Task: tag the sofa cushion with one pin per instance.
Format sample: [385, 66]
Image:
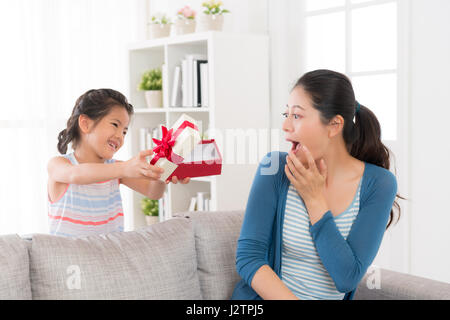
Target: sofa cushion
[393, 285]
[216, 235]
[156, 262]
[14, 269]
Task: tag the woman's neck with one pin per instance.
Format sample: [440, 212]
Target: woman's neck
[341, 166]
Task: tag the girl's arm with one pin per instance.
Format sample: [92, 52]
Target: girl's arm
[62, 170]
[152, 189]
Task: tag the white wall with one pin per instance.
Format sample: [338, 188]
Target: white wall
[430, 147]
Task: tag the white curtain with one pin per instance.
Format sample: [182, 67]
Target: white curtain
[52, 51]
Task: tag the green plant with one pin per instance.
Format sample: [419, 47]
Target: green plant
[149, 207]
[213, 7]
[151, 80]
[160, 18]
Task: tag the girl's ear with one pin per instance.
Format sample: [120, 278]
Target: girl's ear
[85, 123]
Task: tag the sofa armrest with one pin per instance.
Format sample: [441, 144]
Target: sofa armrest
[392, 285]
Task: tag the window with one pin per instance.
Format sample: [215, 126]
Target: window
[358, 38]
[56, 50]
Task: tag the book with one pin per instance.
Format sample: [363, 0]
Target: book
[142, 139]
[184, 82]
[197, 82]
[165, 85]
[176, 88]
[167, 207]
[200, 201]
[204, 84]
[192, 204]
[191, 78]
[161, 209]
[149, 142]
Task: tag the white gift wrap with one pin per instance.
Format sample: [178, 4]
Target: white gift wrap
[184, 144]
[169, 168]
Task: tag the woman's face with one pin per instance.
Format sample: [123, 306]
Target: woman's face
[302, 126]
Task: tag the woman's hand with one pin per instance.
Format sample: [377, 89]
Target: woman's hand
[309, 183]
[138, 167]
[175, 180]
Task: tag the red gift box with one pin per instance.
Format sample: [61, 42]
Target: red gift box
[181, 153]
[205, 160]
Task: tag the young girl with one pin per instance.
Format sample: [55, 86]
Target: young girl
[83, 186]
[314, 222]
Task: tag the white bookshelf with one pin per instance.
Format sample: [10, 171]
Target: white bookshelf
[238, 71]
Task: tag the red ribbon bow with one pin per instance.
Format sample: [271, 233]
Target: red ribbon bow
[164, 146]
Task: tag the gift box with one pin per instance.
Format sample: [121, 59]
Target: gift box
[182, 153]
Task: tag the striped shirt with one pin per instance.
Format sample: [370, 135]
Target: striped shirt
[301, 267]
[89, 209]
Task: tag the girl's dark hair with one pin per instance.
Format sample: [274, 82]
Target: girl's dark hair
[95, 104]
[332, 94]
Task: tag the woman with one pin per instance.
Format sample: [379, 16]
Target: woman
[313, 226]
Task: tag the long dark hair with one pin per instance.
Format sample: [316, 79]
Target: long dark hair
[95, 104]
[332, 94]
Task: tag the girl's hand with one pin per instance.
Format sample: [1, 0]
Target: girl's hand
[309, 183]
[138, 167]
[175, 180]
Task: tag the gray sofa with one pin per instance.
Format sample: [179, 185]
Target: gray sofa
[190, 257]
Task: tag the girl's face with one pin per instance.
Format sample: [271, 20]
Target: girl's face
[302, 126]
[107, 137]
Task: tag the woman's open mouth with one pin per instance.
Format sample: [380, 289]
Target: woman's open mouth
[295, 145]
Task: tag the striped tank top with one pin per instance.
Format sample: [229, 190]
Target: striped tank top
[85, 210]
[302, 270]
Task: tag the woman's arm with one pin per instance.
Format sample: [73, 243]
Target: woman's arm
[256, 235]
[269, 286]
[348, 260]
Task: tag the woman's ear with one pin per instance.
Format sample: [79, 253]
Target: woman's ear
[336, 126]
[85, 123]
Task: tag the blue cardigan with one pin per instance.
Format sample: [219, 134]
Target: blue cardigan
[346, 261]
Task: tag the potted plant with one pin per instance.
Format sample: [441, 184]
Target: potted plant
[185, 22]
[151, 84]
[212, 17]
[150, 210]
[159, 26]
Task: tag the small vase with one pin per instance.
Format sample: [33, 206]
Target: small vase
[153, 98]
[184, 26]
[151, 220]
[158, 30]
[210, 22]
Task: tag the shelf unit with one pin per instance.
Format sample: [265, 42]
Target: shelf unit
[238, 72]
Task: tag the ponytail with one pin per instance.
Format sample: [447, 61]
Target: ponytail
[367, 146]
[332, 94]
